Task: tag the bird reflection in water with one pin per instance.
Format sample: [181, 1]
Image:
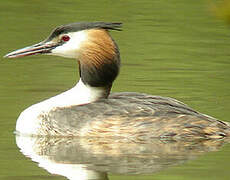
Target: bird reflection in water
[93, 158]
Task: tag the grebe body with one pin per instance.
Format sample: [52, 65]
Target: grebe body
[88, 109]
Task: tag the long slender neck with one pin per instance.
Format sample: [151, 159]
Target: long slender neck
[79, 94]
[99, 63]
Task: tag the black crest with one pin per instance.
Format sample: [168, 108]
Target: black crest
[73, 27]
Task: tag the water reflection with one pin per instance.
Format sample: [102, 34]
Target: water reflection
[94, 158]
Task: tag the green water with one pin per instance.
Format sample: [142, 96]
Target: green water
[172, 48]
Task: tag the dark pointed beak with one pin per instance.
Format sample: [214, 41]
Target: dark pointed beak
[40, 48]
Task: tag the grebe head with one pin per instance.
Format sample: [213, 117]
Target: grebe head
[90, 43]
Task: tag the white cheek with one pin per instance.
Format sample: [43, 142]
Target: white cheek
[71, 48]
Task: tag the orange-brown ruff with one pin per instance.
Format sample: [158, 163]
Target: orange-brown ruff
[98, 50]
[88, 110]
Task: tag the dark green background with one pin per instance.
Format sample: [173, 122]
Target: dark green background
[174, 48]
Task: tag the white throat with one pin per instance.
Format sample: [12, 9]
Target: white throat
[29, 120]
[79, 94]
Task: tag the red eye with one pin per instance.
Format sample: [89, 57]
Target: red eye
[65, 38]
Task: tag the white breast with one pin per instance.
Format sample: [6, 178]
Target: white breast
[29, 121]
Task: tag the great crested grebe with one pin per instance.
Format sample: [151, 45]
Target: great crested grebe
[89, 110]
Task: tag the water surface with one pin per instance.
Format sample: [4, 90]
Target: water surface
[170, 48]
